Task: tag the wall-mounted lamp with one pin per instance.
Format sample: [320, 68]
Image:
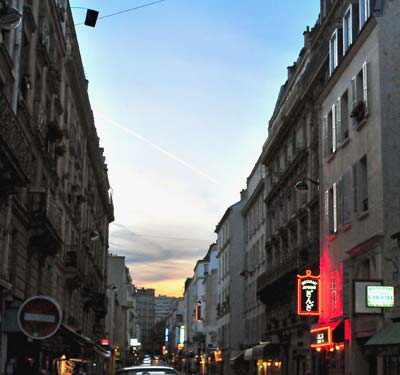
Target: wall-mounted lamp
[302, 184]
[10, 17]
[94, 235]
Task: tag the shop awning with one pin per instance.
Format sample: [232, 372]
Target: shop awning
[236, 354]
[261, 351]
[388, 335]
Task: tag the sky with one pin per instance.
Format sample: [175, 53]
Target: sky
[182, 92]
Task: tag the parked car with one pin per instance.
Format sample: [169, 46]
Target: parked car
[147, 370]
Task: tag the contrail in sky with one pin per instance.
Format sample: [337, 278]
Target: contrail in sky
[158, 148]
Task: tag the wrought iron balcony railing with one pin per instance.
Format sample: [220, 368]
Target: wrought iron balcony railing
[46, 222]
[14, 139]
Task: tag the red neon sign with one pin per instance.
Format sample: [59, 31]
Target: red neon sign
[308, 294]
[105, 342]
[323, 337]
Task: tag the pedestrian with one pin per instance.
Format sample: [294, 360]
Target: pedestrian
[193, 366]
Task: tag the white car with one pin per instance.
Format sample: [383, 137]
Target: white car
[147, 370]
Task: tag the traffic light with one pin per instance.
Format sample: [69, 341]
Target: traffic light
[91, 17]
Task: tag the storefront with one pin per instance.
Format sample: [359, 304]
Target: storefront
[264, 359]
[329, 342]
[383, 350]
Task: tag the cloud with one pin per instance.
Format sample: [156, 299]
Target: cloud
[159, 261]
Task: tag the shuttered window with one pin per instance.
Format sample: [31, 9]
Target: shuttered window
[360, 186]
[359, 95]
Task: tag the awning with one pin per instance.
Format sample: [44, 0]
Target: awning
[261, 351]
[235, 355]
[388, 335]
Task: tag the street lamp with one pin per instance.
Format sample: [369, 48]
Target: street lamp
[10, 17]
[302, 184]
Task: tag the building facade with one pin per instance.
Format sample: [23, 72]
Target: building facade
[211, 300]
[145, 302]
[230, 244]
[120, 319]
[55, 205]
[359, 182]
[291, 157]
[254, 215]
[163, 305]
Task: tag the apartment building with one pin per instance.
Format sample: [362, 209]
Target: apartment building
[359, 181]
[291, 158]
[162, 307]
[230, 244]
[211, 299]
[254, 215]
[55, 205]
[120, 319]
[145, 308]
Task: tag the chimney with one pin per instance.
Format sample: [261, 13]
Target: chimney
[291, 69]
[306, 35]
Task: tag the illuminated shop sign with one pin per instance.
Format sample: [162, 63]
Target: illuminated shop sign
[166, 334]
[181, 334]
[380, 296]
[308, 294]
[321, 337]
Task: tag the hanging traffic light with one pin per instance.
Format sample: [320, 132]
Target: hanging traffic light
[91, 17]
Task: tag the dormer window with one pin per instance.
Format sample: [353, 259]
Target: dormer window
[333, 52]
[365, 12]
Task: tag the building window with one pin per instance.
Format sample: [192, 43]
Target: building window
[329, 132]
[344, 199]
[331, 209]
[348, 28]
[333, 52]
[365, 12]
[360, 186]
[359, 90]
[342, 118]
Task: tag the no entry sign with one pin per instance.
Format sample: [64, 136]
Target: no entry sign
[39, 317]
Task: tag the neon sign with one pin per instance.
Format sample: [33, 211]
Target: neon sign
[308, 294]
[321, 337]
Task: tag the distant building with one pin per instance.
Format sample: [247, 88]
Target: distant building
[174, 323]
[145, 309]
[120, 309]
[230, 243]
[211, 300]
[162, 307]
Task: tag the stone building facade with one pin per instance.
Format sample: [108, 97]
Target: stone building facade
[230, 245]
[55, 205]
[291, 156]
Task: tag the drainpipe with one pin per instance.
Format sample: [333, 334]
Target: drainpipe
[17, 59]
[3, 292]
[8, 233]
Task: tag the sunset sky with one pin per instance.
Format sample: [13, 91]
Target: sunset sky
[182, 92]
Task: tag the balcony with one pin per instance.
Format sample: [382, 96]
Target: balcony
[297, 258]
[14, 144]
[74, 267]
[46, 223]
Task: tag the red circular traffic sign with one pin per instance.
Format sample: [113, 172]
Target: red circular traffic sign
[39, 317]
